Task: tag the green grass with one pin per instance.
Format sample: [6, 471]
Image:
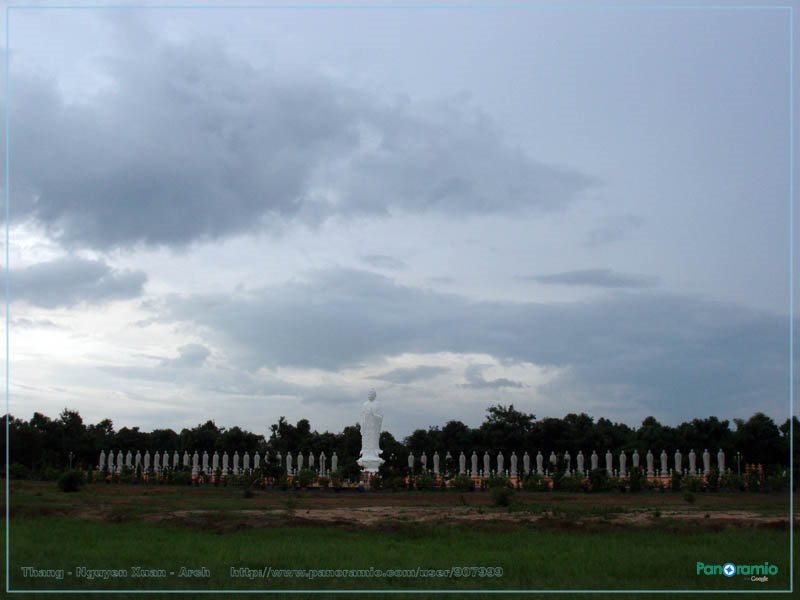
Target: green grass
[531, 558]
[577, 544]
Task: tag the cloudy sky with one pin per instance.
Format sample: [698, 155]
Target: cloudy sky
[242, 214]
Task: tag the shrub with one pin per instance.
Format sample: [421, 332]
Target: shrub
[496, 481]
[426, 481]
[731, 481]
[753, 481]
[692, 483]
[635, 480]
[776, 482]
[376, 482]
[336, 479]
[535, 483]
[713, 480]
[688, 496]
[182, 478]
[461, 483]
[305, 478]
[502, 496]
[70, 481]
[571, 483]
[396, 483]
[677, 481]
[598, 480]
[324, 482]
[18, 471]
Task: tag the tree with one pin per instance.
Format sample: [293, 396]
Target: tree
[505, 428]
[759, 440]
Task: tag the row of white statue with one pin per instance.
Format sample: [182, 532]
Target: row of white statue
[580, 463]
[161, 461]
[115, 462]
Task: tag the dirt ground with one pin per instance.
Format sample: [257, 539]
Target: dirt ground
[227, 509]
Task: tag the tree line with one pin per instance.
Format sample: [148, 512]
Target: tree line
[43, 443]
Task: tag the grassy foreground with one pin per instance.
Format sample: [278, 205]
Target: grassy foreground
[124, 528]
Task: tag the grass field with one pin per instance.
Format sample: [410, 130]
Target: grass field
[543, 541]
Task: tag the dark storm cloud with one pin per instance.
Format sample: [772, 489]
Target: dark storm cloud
[189, 143]
[411, 374]
[383, 261]
[653, 348]
[476, 380]
[66, 282]
[604, 278]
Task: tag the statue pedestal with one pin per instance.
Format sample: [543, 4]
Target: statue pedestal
[370, 464]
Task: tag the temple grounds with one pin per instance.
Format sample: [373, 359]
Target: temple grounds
[224, 538]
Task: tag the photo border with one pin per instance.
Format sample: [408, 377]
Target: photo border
[788, 9]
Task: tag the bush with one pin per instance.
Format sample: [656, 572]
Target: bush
[376, 482]
[336, 479]
[677, 481]
[571, 483]
[394, 483]
[731, 481]
[496, 481]
[535, 483]
[18, 471]
[753, 481]
[776, 482]
[70, 481]
[598, 480]
[461, 483]
[426, 481]
[502, 496]
[324, 482]
[635, 480]
[688, 496]
[305, 478]
[693, 483]
[713, 480]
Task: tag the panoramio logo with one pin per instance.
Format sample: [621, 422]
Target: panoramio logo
[730, 569]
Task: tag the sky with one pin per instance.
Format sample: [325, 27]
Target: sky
[244, 214]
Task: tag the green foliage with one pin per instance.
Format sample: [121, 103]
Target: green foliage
[70, 481]
[376, 482]
[496, 481]
[324, 482]
[305, 478]
[336, 479]
[535, 483]
[571, 483]
[43, 443]
[676, 481]
[635, 480]
[18, 471]
[753, 481]
[502, 495]
[776, 482]
[598, 480]
[713, 480]
[395, 483]
[693, 483]
[425, 481]
[461, 483]
[731, 482]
